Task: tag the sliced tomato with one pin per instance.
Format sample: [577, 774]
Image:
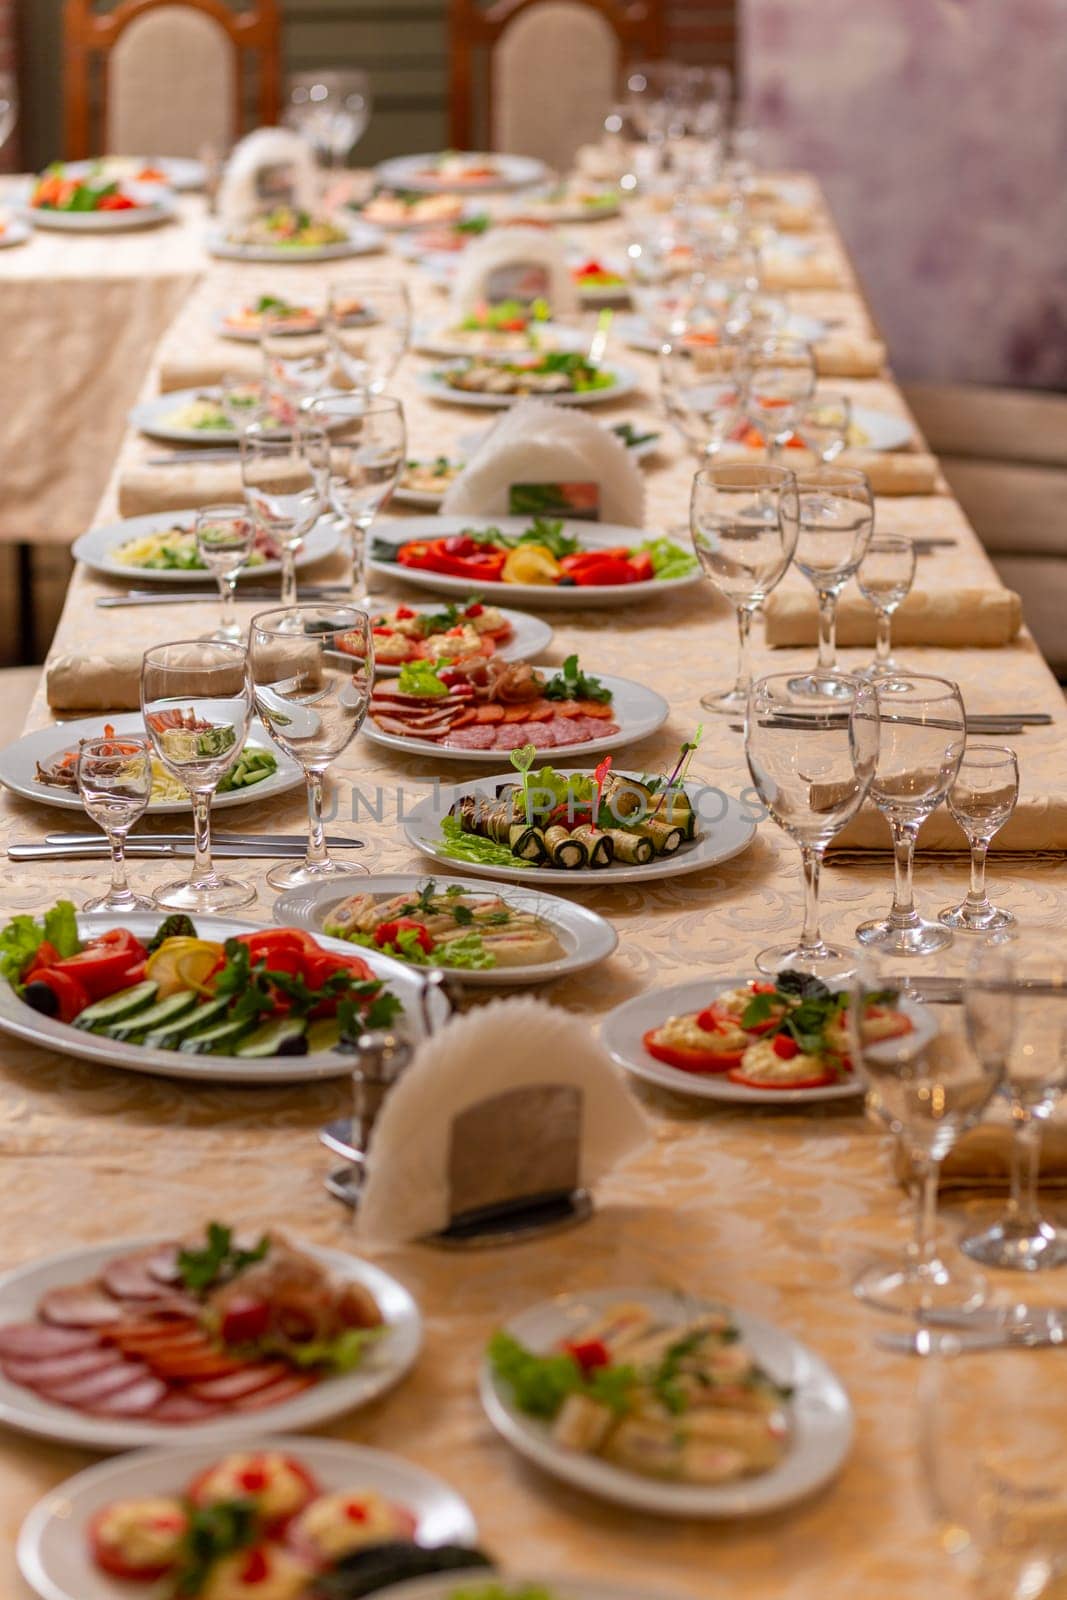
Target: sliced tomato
[102, 966]
[641, 566]
[589, 1353]
[111, 1560]
[71, 997]
[738, 1076]
[116, 202]
[458, 557]
[704, 1061]
[245, 1318]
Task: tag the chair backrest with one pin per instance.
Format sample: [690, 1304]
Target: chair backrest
[536, 77]
[166, 77]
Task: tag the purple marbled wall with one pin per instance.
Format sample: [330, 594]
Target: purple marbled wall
[939, 128]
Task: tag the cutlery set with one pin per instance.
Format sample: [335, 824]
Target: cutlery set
[250, 846]
[152, 597]
[977, 722]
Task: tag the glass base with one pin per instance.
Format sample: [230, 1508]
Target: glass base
[233, 635]
[912, 1287]
[297, 873]
[1019, 1247]
[822, 960]
[121, 904]
[205, 895]
[886, 674]
[730, 703]
[827, 688]
[976, 919]
[919, 938]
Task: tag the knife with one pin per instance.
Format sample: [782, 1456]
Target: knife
[334, 841]
[1005, 724]
[102, 852]
[206, 452]
[152, 597]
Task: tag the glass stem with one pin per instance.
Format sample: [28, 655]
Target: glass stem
[827, 630]
[357, 537]
[227, 592]
[288, 576]
[1025, 1162]
[203, 867]
[976, 895]
[317, 854]
[811, 862]
[744, 651]
[903, 913]
[924, 1245]
[883, 638]
[119, 882]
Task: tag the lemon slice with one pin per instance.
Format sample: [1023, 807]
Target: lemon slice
[182, 963]
[531, 563]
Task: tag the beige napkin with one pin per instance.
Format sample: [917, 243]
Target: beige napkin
[504, 1047]
[981, 1160]
[847, 355]
[142, 489]
[891, 472]
[484, 264]
[1039, 824]
[954, 619]
[783, 274]
[106, 681]
[207, 364]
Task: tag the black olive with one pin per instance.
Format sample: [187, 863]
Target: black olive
[295, 1045]
[566, 583]
[43, 998]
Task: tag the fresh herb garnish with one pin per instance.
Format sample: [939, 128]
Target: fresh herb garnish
[571, 683]
[23, 937]
[420, 678]
[219, 1260]
[177, 926]
[213, 1531]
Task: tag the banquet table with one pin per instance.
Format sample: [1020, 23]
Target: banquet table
[773, 1211]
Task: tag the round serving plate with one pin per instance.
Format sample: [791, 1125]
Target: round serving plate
[624, 381]
[362, 240]
[95, 549]
[417, 174]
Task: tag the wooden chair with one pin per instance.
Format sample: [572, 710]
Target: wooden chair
[172, 75]
[537, 77]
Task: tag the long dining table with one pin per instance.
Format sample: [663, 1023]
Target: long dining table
[773, 1211]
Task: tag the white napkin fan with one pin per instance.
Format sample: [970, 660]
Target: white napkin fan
[239, 197]
[501, 248]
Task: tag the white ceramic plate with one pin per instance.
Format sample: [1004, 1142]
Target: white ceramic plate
[586, 938]
[95, 547]
[820, 1415]
[53, 1549]
[884, 430]
[445, 1584]
[625, 380]
[180, 173]
[362, 240]
[18, 764]
[152, 418]
[17, 1018]
[724, 832]
[249, 336]
[386, 1363]
[438, 339]
[415, 173]
[157, 206]
[14, 231]
[637, 712]
[529, 636]
[591, 536]
[540, 206]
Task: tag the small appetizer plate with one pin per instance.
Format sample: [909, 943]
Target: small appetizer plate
[362, 240]
[443, 339]
[421, 175]
[155, 206]
[386, 1362]
[820, 1415]
[528, 637]
[183, 174]
[481, 1585]
[623, 381]
[97, 549]
[54, 1550]
[587, 938]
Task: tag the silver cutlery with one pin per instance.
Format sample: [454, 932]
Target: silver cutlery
[153, 597]
[206, 452]
[101, 852]
[334, 841]
[1004, 724]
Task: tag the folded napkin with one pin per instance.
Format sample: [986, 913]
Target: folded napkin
[951, 618]
[847, 355]
[492, 269]
[982, 1160]
[142, 489]
[101, 681]
[267, 153]
[540, 443]
[1037, 826]
[603, 163]
[894, 472]
[782, 274]
[207, 364]
[496, 1051]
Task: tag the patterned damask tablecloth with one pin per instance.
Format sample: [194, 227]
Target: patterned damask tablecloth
[773, 1212]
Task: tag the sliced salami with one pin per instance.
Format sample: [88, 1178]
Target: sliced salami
[136, 1401]
[61, 1369]
[80, 1305]
[28, 1340]
[478, 736]
[134, 1277]
[179, 1407]
[87, 1392]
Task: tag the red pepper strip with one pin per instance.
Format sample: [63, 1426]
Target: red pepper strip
[589, 1353]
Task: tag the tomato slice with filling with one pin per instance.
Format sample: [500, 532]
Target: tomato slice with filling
[689, 1060]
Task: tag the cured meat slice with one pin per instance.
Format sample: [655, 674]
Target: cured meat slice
[179, 1406]
[80, 1305]
[239, 1384]
[192, 1367]
[171, 1337]
[61, 1369]
[28, 1340]
[513, 735]
[164, 1264]
[393, 725]
[136, 1401]
[133, 1277]
[477, 737]
[88, 1391]
[275, 1393]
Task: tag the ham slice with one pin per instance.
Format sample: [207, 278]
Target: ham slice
[138, 1400]
[29, 1340]
[61, 1369]
[275, 1393]
[179, 1407]
[80, 1305]
[479, 736]
[134, 1277]
[89, 1391]
[239, 1384]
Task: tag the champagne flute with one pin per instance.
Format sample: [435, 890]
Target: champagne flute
[284, 484]
[836, 521]
[1016, 1007]
[312, 668]
[781, 376]
[812, 757]
[823, 422]
[924, 732]
[368, 347]
[928, 1085]
[225, 537]
[196, 697]
[884, 577]
[367, 449]
[744, 525]
[982, 800]
[701, 389]
[114, 778]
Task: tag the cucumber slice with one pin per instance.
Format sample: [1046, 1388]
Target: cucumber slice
[218, 1040]
[323, 1035]
[164, 1011]
[195, 1021]
[117, 1006]
[283, 1037]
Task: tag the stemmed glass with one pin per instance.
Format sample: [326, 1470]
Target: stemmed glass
[1016, 1007]
[367, 449]
[285, 484]
[812, 757]
[744, 525]
[369, 348]
[196, 697]
[823, 422]
[331, 111]
[884, 578]
[836, 521]
[781, 376]
[296, 367]
[242, 401]
[928, 1086]
[701, 387]
[225, 537]
[982, 800]
[313, 668]
[114, 777]
[924, 731]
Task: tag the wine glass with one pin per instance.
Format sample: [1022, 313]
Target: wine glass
[812, 757]
[312, 668]
[982, 800]
[701, 388]
[196, 697]
[744, 525]
[367, 449]
[781, 376]
[924, 731]
[823, 422]
[368, 343]
[836, 521]
[331, 111]
[1016, 1007]
[285, 485]
[225, 537]
[296, 366]
[928, 1085]
[114, 777]
[884, 578]
[242, 401]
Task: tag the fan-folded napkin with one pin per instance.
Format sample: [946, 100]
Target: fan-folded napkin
[951, 618]
[781, 274]
[181, 487]
[982, 1159]
[895, 472]
[513, 247]
[507, 1045]
[201, 366]
[94, 681]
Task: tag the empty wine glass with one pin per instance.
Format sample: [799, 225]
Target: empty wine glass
[1016, 1006]
[225, 536]
[296, 366]
[884, 578]
[812, 757]
[836, 520]
[781, 376]
[368, 324]
[982, 800]
[196, 697]
[114, 777]
[331, 111]
[744, 525]
[928, 1085]
[285, 485]
[701, 388]
[823, 422]
[924, 732]
[367, 448]
[312, 667]
[242, 400]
